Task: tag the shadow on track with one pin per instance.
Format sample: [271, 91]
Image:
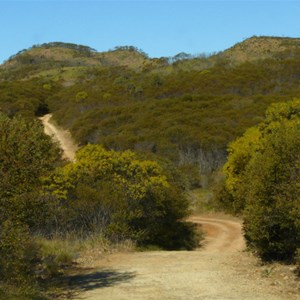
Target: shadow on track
[98, 279]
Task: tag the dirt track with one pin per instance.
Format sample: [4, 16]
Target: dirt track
[222, 235]
[63, 137]
[218, 270]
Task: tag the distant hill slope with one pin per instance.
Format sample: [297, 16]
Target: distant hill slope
[263, 47]
[250, 50]
[55, 56]
[77, 55]
[47, 59]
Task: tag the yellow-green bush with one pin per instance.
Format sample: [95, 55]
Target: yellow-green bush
[262, 182]
[115, 192]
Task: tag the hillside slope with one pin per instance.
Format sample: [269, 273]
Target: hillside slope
[186, 111]
[263, 47]
[60, 56]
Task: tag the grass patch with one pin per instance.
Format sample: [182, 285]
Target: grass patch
[58, 257]
[58, 254]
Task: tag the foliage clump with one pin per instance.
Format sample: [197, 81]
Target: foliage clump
[19, 254]
[262, 182]
[109, 194]
[26, 154]
[121, 196]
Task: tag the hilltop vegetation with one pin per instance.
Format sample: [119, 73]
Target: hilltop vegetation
[58, 56]
[263, 47]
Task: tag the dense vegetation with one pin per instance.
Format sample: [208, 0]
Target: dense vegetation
[26, 154]
[186, 111]
[262, 182]
[149, 130]
[104, 193]
[121, 196]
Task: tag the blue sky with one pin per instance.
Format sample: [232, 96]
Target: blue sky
[160, 28]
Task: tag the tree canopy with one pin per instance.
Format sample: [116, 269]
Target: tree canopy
[127, 197]
[26, 154]
[262, 181]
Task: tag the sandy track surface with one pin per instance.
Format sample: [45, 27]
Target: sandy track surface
[218, 270]
[63, 137]
[221, 234]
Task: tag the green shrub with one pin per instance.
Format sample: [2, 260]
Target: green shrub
[117, 194]
[272, 193]
[262, 181]
[26, 155]
[19, 254]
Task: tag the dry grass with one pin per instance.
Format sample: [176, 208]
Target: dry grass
[201, 201]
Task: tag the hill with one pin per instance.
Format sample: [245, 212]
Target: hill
[47, 59]
[185, 110]
[252, 49]
[263, 47]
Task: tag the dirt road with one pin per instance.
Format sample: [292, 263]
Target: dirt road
[63, 137]
[218, 270]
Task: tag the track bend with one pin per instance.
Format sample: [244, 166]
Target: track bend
[218, 270]
[221, 234]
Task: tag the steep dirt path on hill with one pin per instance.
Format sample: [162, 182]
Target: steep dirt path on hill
[218, 270]
[63, 137]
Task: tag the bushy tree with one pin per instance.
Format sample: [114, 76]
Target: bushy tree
[124, 196]
[239, 154]
[262, 181]
[271, 191]
[26, 154]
